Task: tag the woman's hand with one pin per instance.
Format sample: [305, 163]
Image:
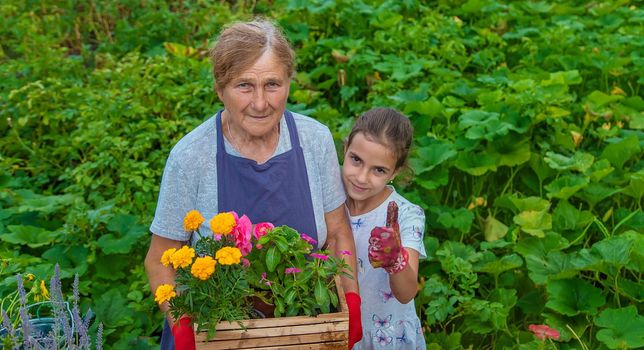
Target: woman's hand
[184, 334]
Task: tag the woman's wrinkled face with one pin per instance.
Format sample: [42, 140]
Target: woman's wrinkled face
[255, 100]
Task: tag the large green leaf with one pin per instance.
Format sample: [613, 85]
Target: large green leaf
[475, 164]
[494, 229]
[574, 296]
[567, 217]
[599, 170]
[127, 232]
[596, 192]
[621, 328]
[566, 186]
[460, 219]
[534, 222]
[620, 152]
[580, 161]
[495, 266]
[483, 125]
[112, 309]
[430, 156]
[635, 186]
[31, 236]
[510, 150]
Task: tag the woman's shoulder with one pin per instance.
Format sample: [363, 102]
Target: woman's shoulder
[199, 143]
[308, 125]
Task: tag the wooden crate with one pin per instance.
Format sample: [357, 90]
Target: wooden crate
[324, 331]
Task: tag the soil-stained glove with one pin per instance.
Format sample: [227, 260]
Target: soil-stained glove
[385, 247]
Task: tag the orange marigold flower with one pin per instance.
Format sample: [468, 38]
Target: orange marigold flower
[164, 292]
[223, 223]
[165, 258]
[182, 257]
[203, 267]
[192, 221]
[228, 256]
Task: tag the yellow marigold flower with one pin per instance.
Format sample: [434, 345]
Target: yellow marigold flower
[164, 292]
[182, 257]
[192, 221]
[228, 256]
[30, 276]
[43, 290]
[222, 223]
[165, 258]
[203, 267]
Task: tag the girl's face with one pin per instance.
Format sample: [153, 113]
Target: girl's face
[368, 167]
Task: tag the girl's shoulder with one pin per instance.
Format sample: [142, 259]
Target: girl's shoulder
[405, 207]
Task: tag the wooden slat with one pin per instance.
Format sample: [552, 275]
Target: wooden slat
[285, 321]
[336, 345]
[254, 343]
[281, 331]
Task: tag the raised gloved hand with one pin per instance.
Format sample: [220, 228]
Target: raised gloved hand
[385, 247]
[184, 335]
[355, 318]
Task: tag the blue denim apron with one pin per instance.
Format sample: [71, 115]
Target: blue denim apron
[276, 191]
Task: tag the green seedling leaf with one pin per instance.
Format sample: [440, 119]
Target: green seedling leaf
[565, 186]
[620, 152]
[494, 229]
[573, 296]
[475, 164]
[321, 295]
[31, 236]
[534, 222]
[580, 161]
[621, 328]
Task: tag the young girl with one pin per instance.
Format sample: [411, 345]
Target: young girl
[388, 236]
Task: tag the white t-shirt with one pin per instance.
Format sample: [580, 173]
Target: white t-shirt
[386, 323]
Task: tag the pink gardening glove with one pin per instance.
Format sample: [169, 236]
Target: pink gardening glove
[385, 247]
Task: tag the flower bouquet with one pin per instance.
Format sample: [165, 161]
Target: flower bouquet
[238, 263]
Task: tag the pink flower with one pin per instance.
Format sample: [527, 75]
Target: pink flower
[292, 270]
[544, 332]
[261, 229]
[241, 232]
[267, 282]
[320, 256]
[245, 262]
[308, 239]
[346, 252]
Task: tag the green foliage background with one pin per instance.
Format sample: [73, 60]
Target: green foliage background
[527, 157]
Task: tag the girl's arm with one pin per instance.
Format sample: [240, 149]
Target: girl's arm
[404, 284]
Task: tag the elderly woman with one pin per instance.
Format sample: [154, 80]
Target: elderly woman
[253, 157]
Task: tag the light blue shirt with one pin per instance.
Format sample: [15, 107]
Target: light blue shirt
[190, 176]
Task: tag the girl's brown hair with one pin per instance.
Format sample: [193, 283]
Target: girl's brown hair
[241, 44]
[387, 127]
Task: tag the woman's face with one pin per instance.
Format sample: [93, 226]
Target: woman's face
[255, 100]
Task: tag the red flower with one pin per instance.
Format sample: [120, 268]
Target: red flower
[544, 332]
